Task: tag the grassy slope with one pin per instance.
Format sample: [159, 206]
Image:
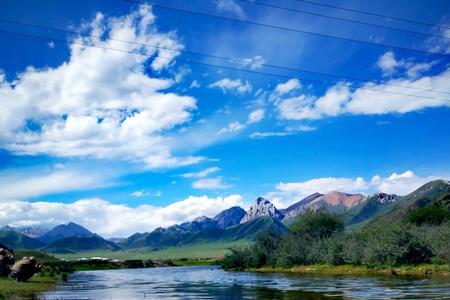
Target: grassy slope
[197, 251]
[372, 211]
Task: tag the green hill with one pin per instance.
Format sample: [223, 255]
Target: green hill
[80, 244]
[17, 240]
[433, 192]
[160, 238]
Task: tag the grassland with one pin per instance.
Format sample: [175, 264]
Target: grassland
[190, 253]
[417, 270]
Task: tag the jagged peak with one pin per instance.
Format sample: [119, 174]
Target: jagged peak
[262, 207]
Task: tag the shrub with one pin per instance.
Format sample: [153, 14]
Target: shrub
[318, 224]
[292, 249]
[434, 215]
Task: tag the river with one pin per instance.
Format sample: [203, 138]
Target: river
[214, 283]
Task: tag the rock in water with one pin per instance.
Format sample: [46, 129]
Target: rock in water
[262, 207]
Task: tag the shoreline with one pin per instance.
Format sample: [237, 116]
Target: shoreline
[11, 289]
[418, 270]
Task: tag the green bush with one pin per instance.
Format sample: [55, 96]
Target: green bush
[317, 224]
[318, 238]
[292, 249]
[433, 215]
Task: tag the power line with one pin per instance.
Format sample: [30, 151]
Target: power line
[220, 66]
[240, 60]
[342, 19]
[373, 14]
[182, 10]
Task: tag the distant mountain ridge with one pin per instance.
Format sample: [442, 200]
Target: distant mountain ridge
[392, 207]
[17, 240]
[235, 224]
[76, 244]
[31, 231]
[65, 231]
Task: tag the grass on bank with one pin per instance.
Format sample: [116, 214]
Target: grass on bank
[10, 289]
[190, 253]
[420, 270]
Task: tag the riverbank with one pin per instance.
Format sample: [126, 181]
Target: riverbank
[418, 270]
[10, 289]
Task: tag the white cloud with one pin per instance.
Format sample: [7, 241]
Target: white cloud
[237, 85]
[112, 220]
[298, 108]
[387, 63]
[288, 86]
[400, 184]
[232, 127]
[254, 63]
[100, 103]
[290, 130]
[436, 44]
[301, 128]
[140, 193]
[394, 96]
[194, 84]
[390, 65]
[230, 6]
[29, 183]
[202, 173]
[210, 184]
[256, 116]
[260, 135]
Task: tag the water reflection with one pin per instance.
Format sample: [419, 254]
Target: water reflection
[214, 283]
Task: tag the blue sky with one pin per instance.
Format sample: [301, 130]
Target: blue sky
[88, 131]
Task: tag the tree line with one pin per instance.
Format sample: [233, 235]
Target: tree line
[320, 237]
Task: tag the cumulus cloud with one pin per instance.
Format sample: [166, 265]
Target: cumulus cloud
[214, 183]
[290, 85]
[400, 184]
[390, 65]
[112, 220]
[256, 116]
[29, 183]
[394, 96]
[226, 84]
[100, 103]
[230, 6]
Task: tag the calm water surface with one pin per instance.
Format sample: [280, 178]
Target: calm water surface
[214, 283]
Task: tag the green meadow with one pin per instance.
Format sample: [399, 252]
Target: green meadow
[191, 252]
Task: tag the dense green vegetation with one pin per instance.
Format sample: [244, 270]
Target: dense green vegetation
[423, 236]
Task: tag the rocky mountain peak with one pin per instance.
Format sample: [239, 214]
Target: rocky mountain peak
[384, 198]
[262, 207]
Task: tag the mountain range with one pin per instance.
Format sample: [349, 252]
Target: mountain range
[234, 224]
